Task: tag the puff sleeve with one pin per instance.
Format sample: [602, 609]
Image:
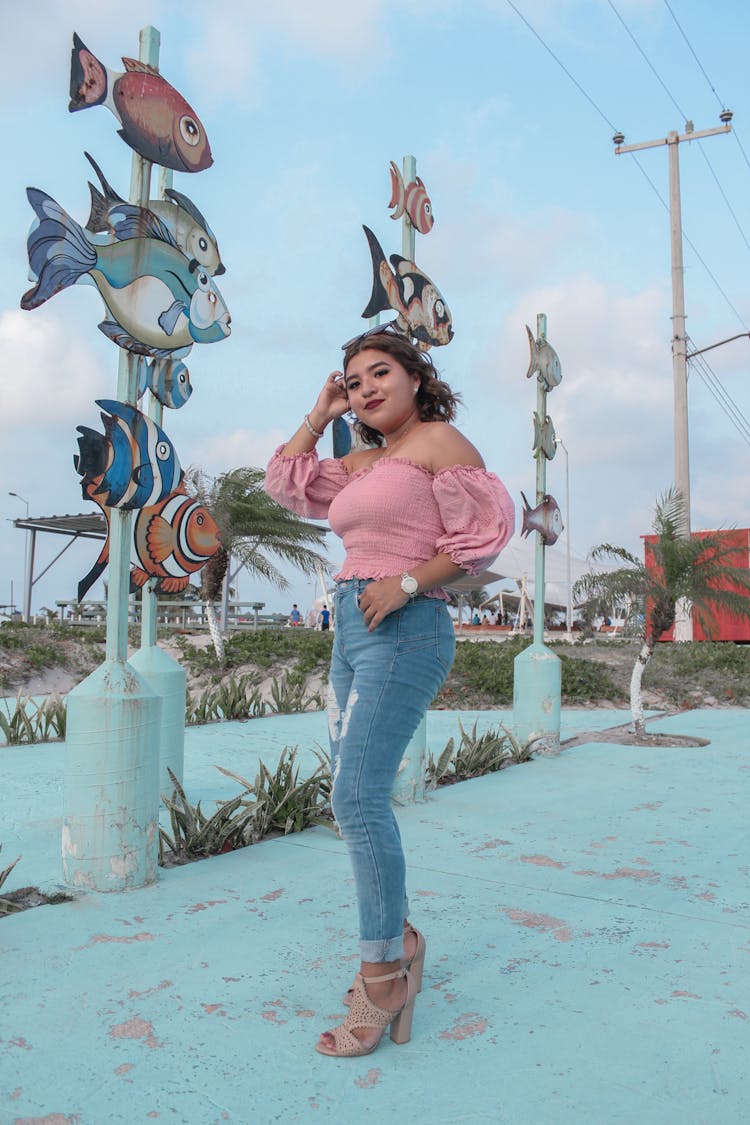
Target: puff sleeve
[304, 484]
[477, 514]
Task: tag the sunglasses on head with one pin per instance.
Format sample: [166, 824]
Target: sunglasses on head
[377, 330]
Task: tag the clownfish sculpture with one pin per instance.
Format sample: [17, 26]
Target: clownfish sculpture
[413, 199]
[546, 518]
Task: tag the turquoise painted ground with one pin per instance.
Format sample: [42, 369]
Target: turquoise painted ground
[588, 950]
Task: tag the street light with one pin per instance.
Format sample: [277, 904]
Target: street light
[26, 588]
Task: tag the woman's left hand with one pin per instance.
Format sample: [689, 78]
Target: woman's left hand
[380, 598]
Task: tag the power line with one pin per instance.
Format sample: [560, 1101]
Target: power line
[722, 396]
[562, 65]
[651, 66]
[607, 121]
[722, 105]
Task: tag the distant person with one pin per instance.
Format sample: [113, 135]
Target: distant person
[324, 618]
[415, 509]
[295, 617]
[475, 618]
[485, 619]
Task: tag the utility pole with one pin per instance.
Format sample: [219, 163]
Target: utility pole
[679, 349]
[683, 630]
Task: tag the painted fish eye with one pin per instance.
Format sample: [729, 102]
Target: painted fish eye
[182, 378]
[199, 520]
[202, 244]
[212, 298]
[189, 130]
[439, 308]
[203, 283]
[162, 450]
[427, 209]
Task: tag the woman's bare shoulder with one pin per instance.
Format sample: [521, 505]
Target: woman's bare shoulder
[448, 447]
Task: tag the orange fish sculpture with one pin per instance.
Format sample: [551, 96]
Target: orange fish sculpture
[156, 120]
[171, 541]
[411, 198]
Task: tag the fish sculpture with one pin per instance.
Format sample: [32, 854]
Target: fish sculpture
[413, 199]
[546, 518]
[133, 464]
[156, 120]
[156, 304]
[167, 379]
[422, 311]
[544, 437]
[114, 216]
[170, 541]
[544, 362]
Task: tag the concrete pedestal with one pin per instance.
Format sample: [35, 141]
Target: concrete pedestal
[537, 676]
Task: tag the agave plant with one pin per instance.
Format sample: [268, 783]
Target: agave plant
[476, 755]
[6, 906]
[32, 722]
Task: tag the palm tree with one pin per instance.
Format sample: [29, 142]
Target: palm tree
[251, 526]
[698, 570]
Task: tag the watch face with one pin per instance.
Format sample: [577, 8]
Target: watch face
[409, 585]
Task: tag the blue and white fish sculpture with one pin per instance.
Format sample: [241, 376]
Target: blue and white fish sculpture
[167, 379]
[422, 311]
[133, 464]
[157, 306]
[546, 518]
[544, 362]
[544, 437]
[112, 215]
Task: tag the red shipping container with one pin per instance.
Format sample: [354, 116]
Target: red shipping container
[726, 627]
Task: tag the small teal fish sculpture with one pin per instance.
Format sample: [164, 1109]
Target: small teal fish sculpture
[171, 541]
[544, 362]
[133, 464]
[544, 437]
[115, 217]
[157, 305]
[167, 379]
[156, 120]
[422, 311]
[546, 518]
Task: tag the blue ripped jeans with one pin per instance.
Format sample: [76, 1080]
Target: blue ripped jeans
[381, 683]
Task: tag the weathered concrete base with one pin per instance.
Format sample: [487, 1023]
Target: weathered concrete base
[537, 676]
[111, 801]
[167, 679]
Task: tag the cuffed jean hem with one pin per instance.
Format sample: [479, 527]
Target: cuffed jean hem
[392, 949]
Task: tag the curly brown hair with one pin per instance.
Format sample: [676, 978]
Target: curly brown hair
[435, 399]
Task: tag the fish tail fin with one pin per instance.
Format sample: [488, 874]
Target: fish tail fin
[59, 252]
[398, 192]
[533, 363]
[102, 561]
[525, 529]
[88, 77]
[378, 298]
[91, 460]
[102, 200]
[96, 571]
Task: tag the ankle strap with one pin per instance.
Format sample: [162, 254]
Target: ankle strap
[388, 976]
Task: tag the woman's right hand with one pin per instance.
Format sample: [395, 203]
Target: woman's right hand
[332, 401]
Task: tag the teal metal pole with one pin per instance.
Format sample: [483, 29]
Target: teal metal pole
[537, 671]
[111, 799]
[164, 675]
[409, 785]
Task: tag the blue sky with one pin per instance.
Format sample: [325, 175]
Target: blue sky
[305, 105]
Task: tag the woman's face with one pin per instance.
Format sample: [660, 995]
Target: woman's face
[381, 391]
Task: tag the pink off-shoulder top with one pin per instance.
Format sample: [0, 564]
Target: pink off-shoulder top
[394, 513]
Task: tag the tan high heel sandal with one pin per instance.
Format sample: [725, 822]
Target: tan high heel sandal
[415, 964]
[363, 1013]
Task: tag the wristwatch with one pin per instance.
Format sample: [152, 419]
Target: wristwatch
[409, 584]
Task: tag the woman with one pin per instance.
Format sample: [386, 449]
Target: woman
[415, 510]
